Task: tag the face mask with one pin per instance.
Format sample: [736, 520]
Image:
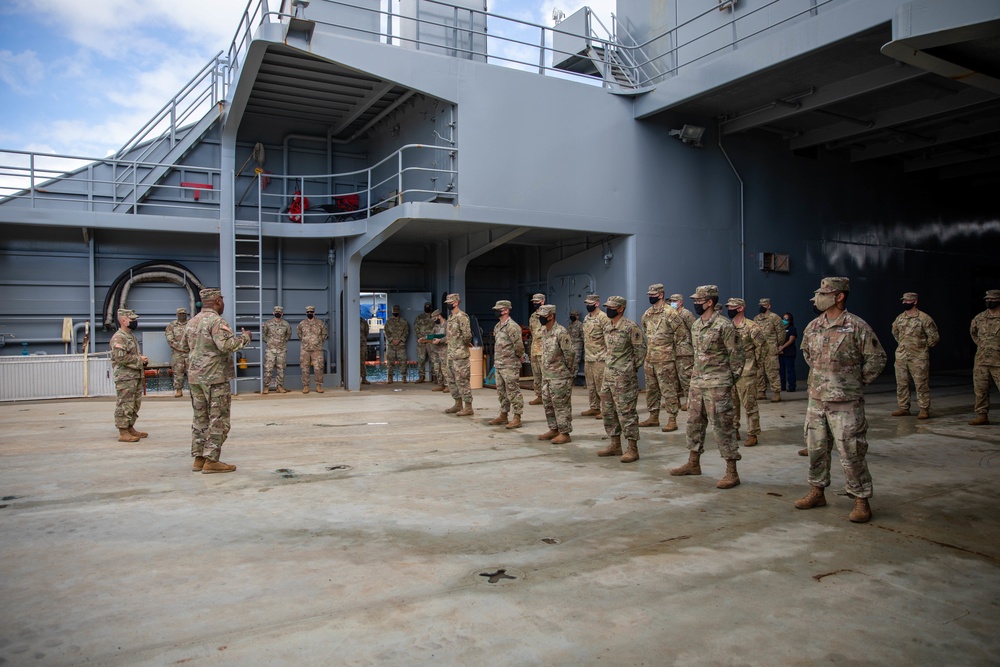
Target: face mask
[277, 316]
[310, 315]
[428, 309]
[699, 309]
[784, 321]
[822, 302]
[612, 312]
[907, 306]
[572, 318]
[395, 314]
[222, 308]
[992, 305]
[654, 299]
[543, 320]
[732, 313]
[675, 305]
[535, 306]
[763, 309]
[591, 308]
[133, 324]
[182, 318]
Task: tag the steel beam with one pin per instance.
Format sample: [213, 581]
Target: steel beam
[947, 135]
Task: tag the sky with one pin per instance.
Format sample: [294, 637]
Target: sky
[80, 77]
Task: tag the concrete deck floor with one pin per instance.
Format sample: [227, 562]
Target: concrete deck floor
[116, 554]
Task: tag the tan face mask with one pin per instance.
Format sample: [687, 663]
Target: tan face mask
[824, 301]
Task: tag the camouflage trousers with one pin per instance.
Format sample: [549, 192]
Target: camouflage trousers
[768, 375]
[211, 423]
[312, 359]
[458, 379]
[425, 355]
[364, 359]
[981, 385]
[662, 387]
[275, 359]
[395, 356]
[619, 396]
[509, 390]
[128, 398]
[594, 372]
[536, 374]
[684, 367]
[440, 368]
[557, 395]
[715, 403]
[178, 366]
[843, 423]
[919, 370]
[745, 395]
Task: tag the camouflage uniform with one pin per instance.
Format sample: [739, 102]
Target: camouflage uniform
[440, 351]
[536, 349]
[843, 356]
[423, 325]
[663, 330]
[508, 348]
[459, 339]
[915, 334]
[210, 344]
[312, 333]
[127, 369]
[575, 331]
[275, 333]
[684, 351]
[774, 332]
[985, 331]
[751, 339]
[595, 352]
[626, 350]
[558, 371]
[175, 339]
[396, 330]
[363, 351]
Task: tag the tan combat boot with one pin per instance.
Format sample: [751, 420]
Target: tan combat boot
[731, 478]
[684, 407]
[388, 376]
[466, 411]
[548, 435]
[631, 453]
[282, 390]
[125, 436]
[777, 397]
[614, 449]
[654, 419]
[420, 380]
[671, 425]
[537, 400]
[561, 439]
[138, 434]
[499, 420]
[305, 389]
[924, 414]
[198, 464]
[319, 389]
[803, 452]
[981, 420]
[815, 498]
[455, 408]
[599, 415]
[751, 441]
[515, 422]
[589, 413]
[901, 412]
[178, 393]
[692, 467]
[216, 466]
[862, 512]
[264, 391]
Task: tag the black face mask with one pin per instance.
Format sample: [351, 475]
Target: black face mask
[654, 299]
[572, 318]
[612, 312]
[395, 314]
[591, 308]
[310, 315]
[428, 309]
[763, 309]
[133, 324]
[992, 304]
[907, 306]
[277, 316]
[699, 309]
[732, 313]
[535, 306]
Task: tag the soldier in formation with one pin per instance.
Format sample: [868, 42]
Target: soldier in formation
[537, 301]
[626, 351]
[312, 333]
[985, 331]
[685, 352]
[575, 331]
[365, 328]
[439, 351]
[594, 353]
[664, 330]
[844, 355]
[774, 331]
[915, 333]
[397, 331]
[423, 325]
[508, 348]
[275, 333]
[752, 340]
[127, 367]
[459, 339]
[178, 360]
[559, 364]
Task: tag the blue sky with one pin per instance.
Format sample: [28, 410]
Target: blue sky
[80, 77]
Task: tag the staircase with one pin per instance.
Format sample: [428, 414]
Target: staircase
[249, 298]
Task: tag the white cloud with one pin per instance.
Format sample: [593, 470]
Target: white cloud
[21, 71]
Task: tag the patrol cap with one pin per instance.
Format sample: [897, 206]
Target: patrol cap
[310, 309]
[992, 295]
[655, 288]
[574, 312]
[436, 313]
[616, 302]
[503, 303]
[278, 309]
[909, 296]
[592, 299]
[182, 311]
[210, 294]
[452, 298]
[539, 297]
[125, 312]
[395, 309]
[547, 309]
[427, 303]
[736, 302]
[834, 284]
[676, 297]
[706, 292]
[764, 302]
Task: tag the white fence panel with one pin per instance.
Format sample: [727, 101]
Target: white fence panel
[55, 376]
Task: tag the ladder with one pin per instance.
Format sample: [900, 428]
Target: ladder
[248, 271]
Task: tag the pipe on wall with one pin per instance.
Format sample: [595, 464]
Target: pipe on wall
[743, 249]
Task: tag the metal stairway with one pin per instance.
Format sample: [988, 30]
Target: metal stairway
[611, 65]
[247, 243]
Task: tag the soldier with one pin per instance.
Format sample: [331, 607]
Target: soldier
[844, 355]
[423, 325]
[537, 301]
[915, 333]
[439, 347]
[312, 333]
[774, 332]
[459, 339]
[127, 365]
[751, 338]
[575, 331]
[275, 333]
[558, 371]
[397, 330]
[684, 351]
[718, 361]
[508, 347]
[210, 344]
[985, 331]
[663, 330]
[178, 360]
[595, 351]
[365, 328]
[626, 350]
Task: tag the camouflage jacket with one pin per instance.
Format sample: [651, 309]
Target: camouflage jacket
[664, 329]
[210, 344]
[687, 349]
[423, 325]
[718, 358]
[276, 333]
[575, 331]
[126, 360]
[311, 334]
[175, 335]
[843, 356]
[365, 329]
[626, 346]
[508, 347]
[985, 331]
[536, 334]
[459, 335]
[915, 334]
[594, 347]
[558, 354]
[397, 330]
[440, 345]
[754, 344]
[772, 328]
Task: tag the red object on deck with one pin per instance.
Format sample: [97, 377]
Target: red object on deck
[198, 187]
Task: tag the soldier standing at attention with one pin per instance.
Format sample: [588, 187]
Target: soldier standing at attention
[423, 325]
[537, 301]
[459, 339]
[620, 391]
[127, 365]
[312, 333]
[916, 333]
[508, 348]
[685, 352]
[178, 360]
[595, 351]
[365, 328]
[210, 344]
[397, 330]
[558, 371]
[751, 338]
[575, 331]
[663, 329]
[276, 333]
[439, 350]
[774, 331]
[844, 355]
[718, 362]
[985, 331]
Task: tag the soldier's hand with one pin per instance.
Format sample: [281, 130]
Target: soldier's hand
[247, 333]
[145, 360]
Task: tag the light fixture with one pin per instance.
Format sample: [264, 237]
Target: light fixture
[689, 134]
[558, 15]
[297, 4]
